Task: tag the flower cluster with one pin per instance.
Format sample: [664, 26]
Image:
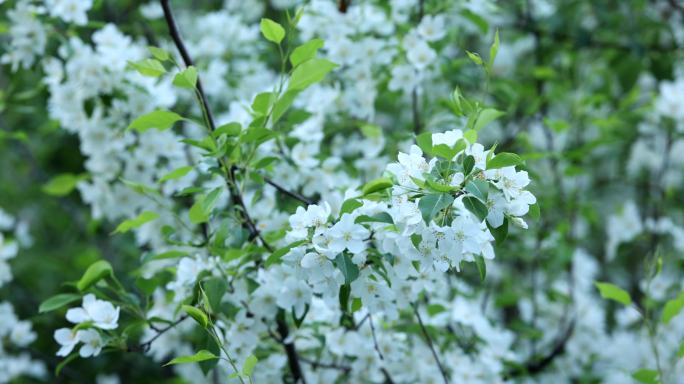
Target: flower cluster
[94, 314]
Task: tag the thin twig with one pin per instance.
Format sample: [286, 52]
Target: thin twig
[293, 357]
[428, 340]
[144, 347]
[388, 377]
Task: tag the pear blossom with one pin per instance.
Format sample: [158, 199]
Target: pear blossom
[102, 313]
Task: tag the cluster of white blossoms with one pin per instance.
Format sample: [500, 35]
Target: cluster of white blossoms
[93, 315]
[427, 224]
[15, 334]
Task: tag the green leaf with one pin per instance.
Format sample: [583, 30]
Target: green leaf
[680, 352]
[343, 296]
[58, 301]
[500, 233]
[476, 206]
[478, 188]
[144, 217]
[430, 205]
[424, 142]
[249, 365]
[534, 211]
[257, 134]
[481, 266]
[215, 288]
[475, 58]
[282, 105]
[96, 272]
[382, 217]
[148, 67]
[158, 119]
[272, 31]
[159, 53]
[309, 72]
[471, 136]
[230, 129]
[673, 308]
[486, 116]
[262, 103]
[176, 173]
[197, 314]
[61, 185]
[279, 253]
[445, 151]
[504, 159]
[468, 164]
[350, 271]
[187, 78]
[349, 206]
[201, 210]
[646, 376]
[376, 185]
[305, 51]
[613, 292]
[494, 49]
[201, 355]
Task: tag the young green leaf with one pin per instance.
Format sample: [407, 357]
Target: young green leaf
[279, 253]
[486, 116]
[61, 185]
[504, 159]
[476, 206]
[673, 308]
[613, 292]
[201, 355]
[176, 173]
[159, 53]
[430, 205]
[58, 301]
[481, 266]
[646, 376]
[95, 272]
[148, 67]
[310, 72]
[186, 78]
[424, 142]
[144, 217]
[158, 119]
[305, 51]
[478, 188]
[494, 49]
[475, 58]
[376, 185]
[197, 314]
[249, 365]
[500, 233]
[349, 270]
[349, 205]
[272, 31]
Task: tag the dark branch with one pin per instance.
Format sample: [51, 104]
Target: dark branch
[248, 223]
[538, 365]
[428, 340]
[144, 347]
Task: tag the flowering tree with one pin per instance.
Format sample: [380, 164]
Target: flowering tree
[346, 191]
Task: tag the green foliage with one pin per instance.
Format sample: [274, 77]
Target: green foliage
[272, 31]
[159, 119]
[201, 355]
[613, 292]
[96, 272]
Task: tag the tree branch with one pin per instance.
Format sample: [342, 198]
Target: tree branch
[428, 340]
[293, 357]
[144, 347]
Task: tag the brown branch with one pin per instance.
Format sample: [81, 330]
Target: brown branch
[428, 340]
[292, 356]
[144, 347]
[538, 365]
